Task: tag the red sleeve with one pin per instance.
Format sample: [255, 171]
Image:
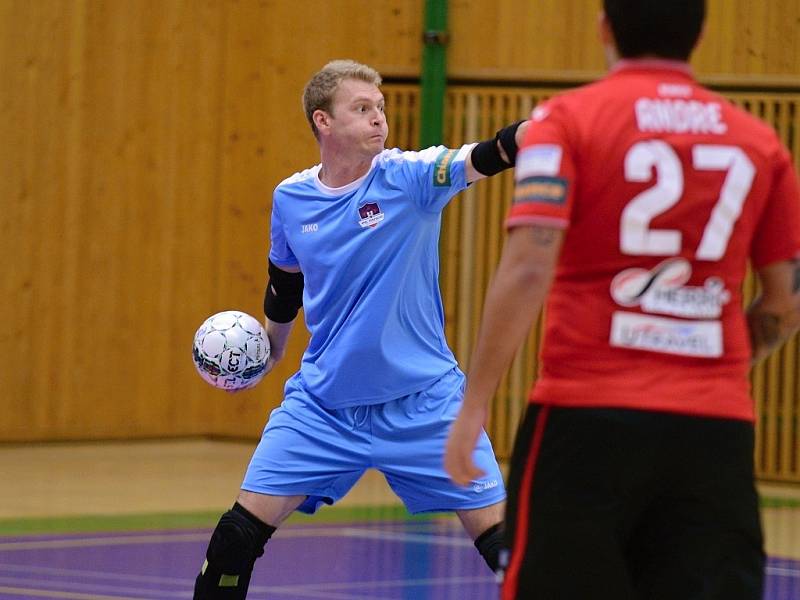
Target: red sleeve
[777, 235]
[545, 171]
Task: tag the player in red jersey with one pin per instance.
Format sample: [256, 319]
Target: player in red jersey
[640, 198]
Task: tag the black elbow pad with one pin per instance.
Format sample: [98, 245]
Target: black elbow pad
[284, 294]
[486, 156]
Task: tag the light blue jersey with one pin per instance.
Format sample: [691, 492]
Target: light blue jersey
[369, 252]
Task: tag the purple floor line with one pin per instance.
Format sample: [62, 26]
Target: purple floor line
[377, 561]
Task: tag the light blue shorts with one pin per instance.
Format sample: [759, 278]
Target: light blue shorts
[309, 450]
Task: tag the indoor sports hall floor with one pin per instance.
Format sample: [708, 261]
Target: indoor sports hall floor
[130, 521]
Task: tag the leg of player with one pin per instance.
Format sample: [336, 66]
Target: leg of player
[238, 541]
[485, 527]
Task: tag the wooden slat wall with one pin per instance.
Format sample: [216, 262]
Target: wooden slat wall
[776, 383]
[471, 246]
[140, 144]
[745, 40]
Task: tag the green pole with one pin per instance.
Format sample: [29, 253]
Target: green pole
[434, 73]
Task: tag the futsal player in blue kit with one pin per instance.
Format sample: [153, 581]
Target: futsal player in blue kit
[354, 241]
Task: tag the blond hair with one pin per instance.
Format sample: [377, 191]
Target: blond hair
[319, 91]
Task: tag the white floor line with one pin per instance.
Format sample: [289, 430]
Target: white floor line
[53, 571]
[414, 538]
[300, 532]
[311, 590]
[36, 593]
[388, 583]
[93, 588]
[783, 572]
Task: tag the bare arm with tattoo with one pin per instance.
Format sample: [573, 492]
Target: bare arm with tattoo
[775, 315]
[513, 301]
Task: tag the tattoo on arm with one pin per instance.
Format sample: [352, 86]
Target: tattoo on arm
[543, 236]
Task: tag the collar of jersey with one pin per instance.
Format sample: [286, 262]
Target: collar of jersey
[649, 64]
[338, 191]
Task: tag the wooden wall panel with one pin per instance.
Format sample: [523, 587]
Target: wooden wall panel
[745, 40]
[33, 51]
[113, 129]
[141, 141]
[508, 39]
[752, 42]
[139, 145]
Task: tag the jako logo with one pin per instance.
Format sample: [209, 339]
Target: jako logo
[309, 227]
[482, 486]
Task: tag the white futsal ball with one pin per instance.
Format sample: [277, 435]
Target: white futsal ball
[231, 350]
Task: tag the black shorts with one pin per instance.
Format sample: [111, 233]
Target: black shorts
[622, 504]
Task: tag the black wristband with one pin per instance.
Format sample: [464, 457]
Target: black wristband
[486, 157]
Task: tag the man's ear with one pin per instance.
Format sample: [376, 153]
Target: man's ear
[604, 29]
[321, 120]
[607, 39]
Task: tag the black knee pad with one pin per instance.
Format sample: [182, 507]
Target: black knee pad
[490, 544]
[236, 543]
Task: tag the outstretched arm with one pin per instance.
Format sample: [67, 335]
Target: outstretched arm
[512, 303]
[775, 315]
[492, 156]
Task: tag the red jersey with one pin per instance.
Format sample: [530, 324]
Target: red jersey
[665, 191]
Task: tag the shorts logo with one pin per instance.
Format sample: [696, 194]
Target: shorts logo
[482, 486]
[550, 190]
[370, 215]
[441, 168]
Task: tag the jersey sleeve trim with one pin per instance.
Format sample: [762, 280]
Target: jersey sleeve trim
[776, 257]
[283, 263]
[464, 151]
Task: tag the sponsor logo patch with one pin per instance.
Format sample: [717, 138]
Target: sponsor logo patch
[663, 290]
[441, 168]
[667, 336]
[551, 190]
[539, 159]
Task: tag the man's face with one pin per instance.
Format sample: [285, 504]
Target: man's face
[357, 122]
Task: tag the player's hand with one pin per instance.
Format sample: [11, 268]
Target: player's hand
[461, 445]
[271, 362]
[276, 353]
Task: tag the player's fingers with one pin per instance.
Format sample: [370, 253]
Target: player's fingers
[461, 468]
[474, 472]
[452, 466]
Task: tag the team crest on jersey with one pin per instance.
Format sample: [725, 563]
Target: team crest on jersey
[370, 214]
